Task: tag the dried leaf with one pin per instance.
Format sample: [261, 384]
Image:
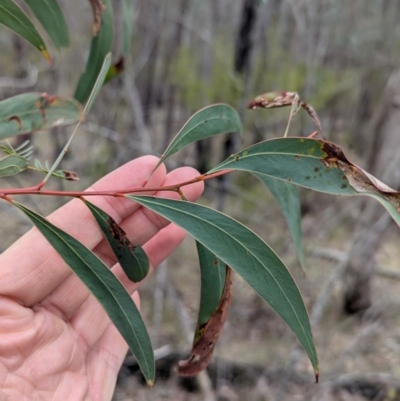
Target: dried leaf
[70, 175]
[360, 180]
[203, 349]
[273, 100]
[98, 9]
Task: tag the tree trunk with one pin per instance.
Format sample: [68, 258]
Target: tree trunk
[385, 165]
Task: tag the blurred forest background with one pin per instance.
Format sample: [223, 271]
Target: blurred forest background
[342, 57]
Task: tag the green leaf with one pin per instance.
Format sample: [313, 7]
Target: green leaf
[213, 276]
[212, 120]
[100, 47]
[49, 14]
[36, 111]
[92, 96]
[127, 8]
[287, 197]
[98, 84]
[13, 164]
[105, 287]
[132, 259]
[247, 254]
[12, 16]
[295, 160]
[315, 164]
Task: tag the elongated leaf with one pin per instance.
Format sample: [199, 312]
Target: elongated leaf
[247, 254]
[92, 96]
[203, 348]
[132, 258]
[287, 197]
[105, 287]
[36, 111]
[13, 164]
[98, 84]
[213, 277]
[100, 47]
[15, 19]
[49, 14]
[127, 8]
[212, 120]
[315, 164]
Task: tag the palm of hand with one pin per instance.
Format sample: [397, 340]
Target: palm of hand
[45, 357]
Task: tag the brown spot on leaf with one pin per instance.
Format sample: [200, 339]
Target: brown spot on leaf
[119, 234]
[334, 153]
[45, 101]
[17, 120]
[203, 348]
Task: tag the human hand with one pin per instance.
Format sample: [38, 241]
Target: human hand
[56, 342]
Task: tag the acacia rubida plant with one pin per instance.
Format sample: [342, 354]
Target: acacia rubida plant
[223, 244]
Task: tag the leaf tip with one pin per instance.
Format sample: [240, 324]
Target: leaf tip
[316, 376]
[150, 383]
[46, 56]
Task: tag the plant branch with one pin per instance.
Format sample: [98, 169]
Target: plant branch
[37, 189]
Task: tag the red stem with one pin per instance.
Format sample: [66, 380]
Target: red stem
[36, 190]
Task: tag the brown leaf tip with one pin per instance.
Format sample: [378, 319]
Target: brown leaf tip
[70, 175]
[98, 9]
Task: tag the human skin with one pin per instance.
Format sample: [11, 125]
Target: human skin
[56, 342]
